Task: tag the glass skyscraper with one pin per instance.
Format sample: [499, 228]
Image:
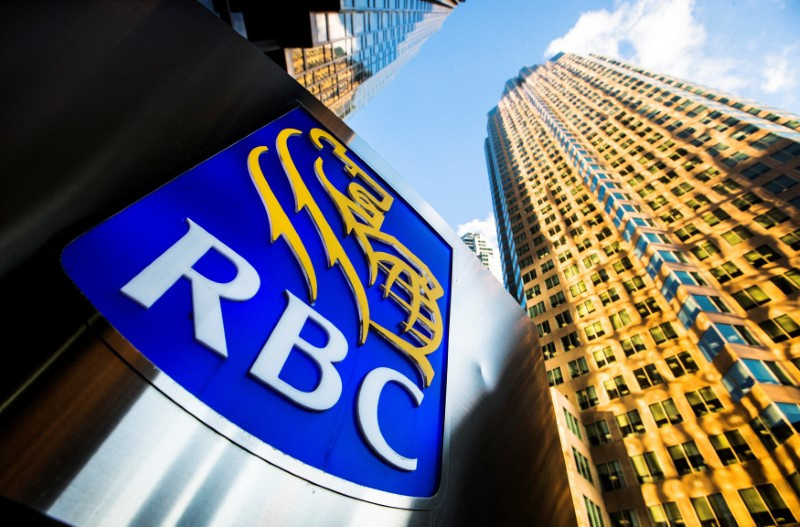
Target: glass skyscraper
[651, 228]
[342, 51]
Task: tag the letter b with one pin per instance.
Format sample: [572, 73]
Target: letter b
[286, 337]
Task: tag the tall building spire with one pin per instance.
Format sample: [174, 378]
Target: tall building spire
[651, 227]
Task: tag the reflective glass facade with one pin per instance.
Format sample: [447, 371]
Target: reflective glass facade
[358, 49]
[342, 51]
[651, 227]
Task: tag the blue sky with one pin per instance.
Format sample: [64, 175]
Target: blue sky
[429, 123]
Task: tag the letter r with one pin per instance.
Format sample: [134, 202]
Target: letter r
[175, 263]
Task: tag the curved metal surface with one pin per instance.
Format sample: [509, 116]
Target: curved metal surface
[97, 436]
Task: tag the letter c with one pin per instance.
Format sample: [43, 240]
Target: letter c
[368, 397]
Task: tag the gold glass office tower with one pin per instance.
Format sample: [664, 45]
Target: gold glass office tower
[651, 228]
[342, 51]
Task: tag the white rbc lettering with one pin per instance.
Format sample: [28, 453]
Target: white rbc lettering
[176, 263]
[286, 337]
[368, 397]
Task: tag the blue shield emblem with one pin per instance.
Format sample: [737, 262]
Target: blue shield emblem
[286, 286]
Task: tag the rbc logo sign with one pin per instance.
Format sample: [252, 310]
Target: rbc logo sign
[284, 285]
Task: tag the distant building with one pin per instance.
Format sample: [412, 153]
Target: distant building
[485, 254]
[342, 51]
[651, 228]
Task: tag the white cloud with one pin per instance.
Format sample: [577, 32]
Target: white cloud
[663, 36]
[594, 32]
[780, 71]
[485, 227]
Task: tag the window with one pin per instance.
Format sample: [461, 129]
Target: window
[604, 357]
[578, 367]
[572, 423]
[737, 235]
[766, 506]
[533, 291]
[663, 332]
[697, 202]
[780, 328]
[563, 318]
[577, 289]
[771, 218]
[597, 433]
[594, 512]
[686, 458]
[755, 170]
[537, 309]
[609, 296]
[671, 216]
[665, 413]
[551, 282]
[768, 371]
[772, 425]
[716, 149]
[630, 423]
[726, 272]
[616, 387]
[625, 518]
[554, 376]
[622, 265]
[665, 515]
[712, 511]
[632, 345]
[727, 186]
[751, 297]
[682, 188]
[681, 364]
[582, 464]
[746, 201]
[591, 260]
[648, 376]
[634, 284]
[549, 350]
[587, 397]
[715, 216]
[570, 341]
[780, 184]
[571, 271]
[647, 307]
[612, 248]
[557, 299]
[735, 159]
[585, 308]
[704, 249]
[792, 239]
[731, 447]
[620, 319]
[545, 267]
[599, 276]
[647, 469]
[703, 401]
[788, 282]
[610, 475]
[543, 328]
[762, 255]
[594, 330]
[687, 232]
